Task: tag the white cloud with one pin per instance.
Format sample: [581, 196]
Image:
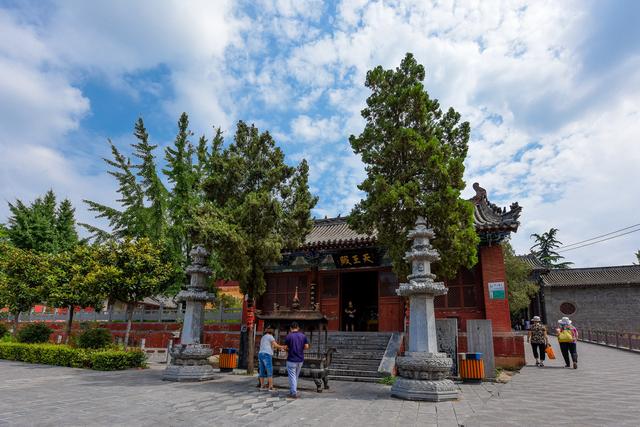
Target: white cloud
[316, 130]
[545, 132]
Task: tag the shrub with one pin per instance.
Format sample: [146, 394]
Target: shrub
[113, 360]
[34, 333]
[94, 338]
[388, 380]
[62, 355]
[3, 330]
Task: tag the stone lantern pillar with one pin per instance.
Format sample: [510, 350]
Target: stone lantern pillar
[190, 359]
[423, 371]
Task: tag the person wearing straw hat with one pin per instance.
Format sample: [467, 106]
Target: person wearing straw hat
[537, 336]
[567, 337]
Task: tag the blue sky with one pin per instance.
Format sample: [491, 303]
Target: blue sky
[551, 90]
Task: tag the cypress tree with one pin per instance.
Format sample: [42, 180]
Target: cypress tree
[414, 158]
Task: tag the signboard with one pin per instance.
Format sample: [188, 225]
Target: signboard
[356, 259]
[496, 290]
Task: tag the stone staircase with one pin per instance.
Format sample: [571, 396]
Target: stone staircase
[358, 355]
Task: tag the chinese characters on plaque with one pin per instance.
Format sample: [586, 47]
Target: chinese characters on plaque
[356, 259]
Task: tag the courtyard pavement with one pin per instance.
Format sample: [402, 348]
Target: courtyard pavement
[604, 391]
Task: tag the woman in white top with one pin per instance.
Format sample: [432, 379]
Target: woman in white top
[265, 356]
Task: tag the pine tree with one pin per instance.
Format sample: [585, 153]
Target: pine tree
[41, 226]
[544, 249]
[182, 173]
[148, 208]
[67, 235]
[256, 205]
[414, 158]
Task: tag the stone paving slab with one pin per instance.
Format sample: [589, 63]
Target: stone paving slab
[604, 391]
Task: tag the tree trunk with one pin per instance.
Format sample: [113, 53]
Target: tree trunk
[251, 348]
[16, 316]
[111, 304]
[69, 324]
[130, 308]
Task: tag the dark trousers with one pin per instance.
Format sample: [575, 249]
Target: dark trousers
[535, 347]
[569, 348]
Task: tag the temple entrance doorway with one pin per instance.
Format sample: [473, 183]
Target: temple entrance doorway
[361, 288]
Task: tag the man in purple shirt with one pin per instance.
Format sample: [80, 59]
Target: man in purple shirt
[296, 344]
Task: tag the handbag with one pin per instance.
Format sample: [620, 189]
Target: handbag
[549, 350]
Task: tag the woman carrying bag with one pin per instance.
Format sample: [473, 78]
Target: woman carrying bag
[567, 337]
[537, 336]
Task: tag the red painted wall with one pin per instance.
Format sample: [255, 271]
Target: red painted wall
[492, 267]
[158, 335]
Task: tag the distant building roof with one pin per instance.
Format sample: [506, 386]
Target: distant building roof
[158, 300]
[533, 262]
[596, 276]
[492, 224]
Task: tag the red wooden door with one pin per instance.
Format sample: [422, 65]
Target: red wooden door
[329, 290]
[390, 306]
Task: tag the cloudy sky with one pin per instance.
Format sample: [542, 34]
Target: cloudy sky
[551, 89]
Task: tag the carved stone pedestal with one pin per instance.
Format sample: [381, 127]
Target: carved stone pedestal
[422, 376]
[189, 363]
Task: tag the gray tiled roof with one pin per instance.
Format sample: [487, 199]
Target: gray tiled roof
[532, 261]
[488, 218]
[596, 276]
[334, 232]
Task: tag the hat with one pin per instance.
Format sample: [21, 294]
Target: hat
[535, 319]
[565, 321]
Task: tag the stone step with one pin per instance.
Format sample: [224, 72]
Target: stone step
[354, 366]
[347, 354]
[354, 373]
[358, 339]
[360, 348]
[354, 379]
[382, 345]
[345, 340]
[359, 333]
[350, 358]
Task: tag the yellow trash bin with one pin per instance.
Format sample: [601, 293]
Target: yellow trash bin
[228, 360]
[471, 367]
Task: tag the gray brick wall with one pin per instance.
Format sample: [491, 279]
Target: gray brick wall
[610, 308]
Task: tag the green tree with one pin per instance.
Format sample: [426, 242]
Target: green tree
[638, 256]
[71, 286]
[4, 233]
[42, 226]
[520, 287]
[129, 271]
[414, 158]
[147, 207]
[256, 206]
[544, 249]
[25, 277]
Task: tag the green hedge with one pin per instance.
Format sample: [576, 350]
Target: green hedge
[62, 355]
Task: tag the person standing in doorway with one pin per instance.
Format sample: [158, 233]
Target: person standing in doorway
[296, 343]
[537, 336]
[350, 312]
[568, 337]
[265, 358]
